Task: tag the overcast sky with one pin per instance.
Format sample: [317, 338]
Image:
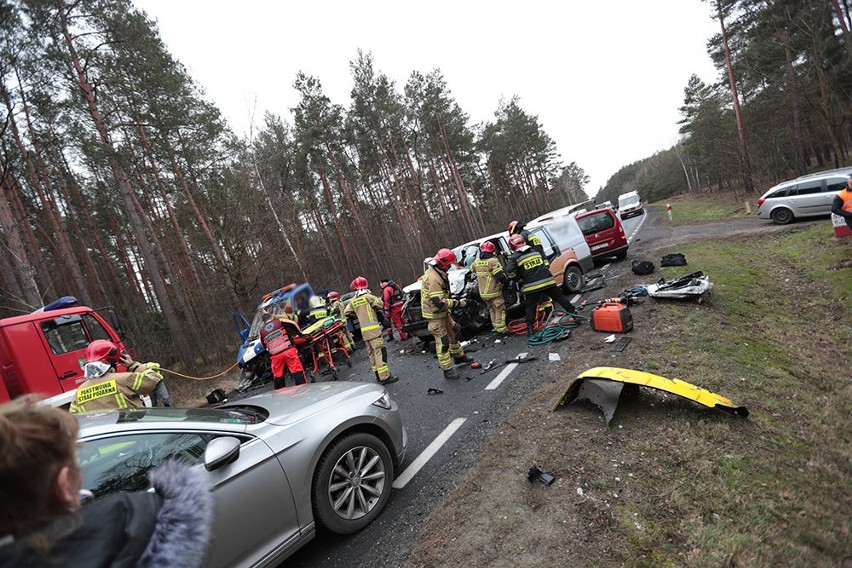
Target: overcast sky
[604, 78]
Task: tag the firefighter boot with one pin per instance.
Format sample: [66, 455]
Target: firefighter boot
[451, 374]
[459, 359]
[389, 380]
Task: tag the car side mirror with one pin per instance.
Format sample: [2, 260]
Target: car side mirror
[221, 451]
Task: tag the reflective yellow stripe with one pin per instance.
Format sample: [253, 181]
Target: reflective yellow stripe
[371, 326]
[120, 400]
[538, 285]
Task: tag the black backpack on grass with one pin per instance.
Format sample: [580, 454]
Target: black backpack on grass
[674, 259]
[642, 267]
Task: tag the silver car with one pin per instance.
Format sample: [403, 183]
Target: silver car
[278, 463]
[807, 196]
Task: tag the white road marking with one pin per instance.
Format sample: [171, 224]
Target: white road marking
[639, 226]
[503, 374]
[427, 454]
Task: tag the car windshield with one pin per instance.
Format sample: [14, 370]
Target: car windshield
[628, 201]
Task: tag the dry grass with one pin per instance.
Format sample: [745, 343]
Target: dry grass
[670, 483]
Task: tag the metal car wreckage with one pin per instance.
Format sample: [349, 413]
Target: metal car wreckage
[602, 386]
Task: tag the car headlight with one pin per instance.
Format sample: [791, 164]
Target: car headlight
[383, 401]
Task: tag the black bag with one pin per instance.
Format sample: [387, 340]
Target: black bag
[674, 259]
[642, 267]
[398, 294]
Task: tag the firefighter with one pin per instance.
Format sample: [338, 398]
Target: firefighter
[518, 228]
[393, 298]
[368, 309]
[335, 309]
[435, 303]
[532, 270]
[106, 388]
[491, 279]
[317, 310]
[281, 338]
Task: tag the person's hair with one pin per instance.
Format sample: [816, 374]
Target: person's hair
[35, 443]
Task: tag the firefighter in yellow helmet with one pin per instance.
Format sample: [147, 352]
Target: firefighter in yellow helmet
[368, 307]
[435, 303]
[491, 278]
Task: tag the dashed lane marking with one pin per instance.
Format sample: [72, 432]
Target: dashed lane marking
[503, 374]
[427, 454]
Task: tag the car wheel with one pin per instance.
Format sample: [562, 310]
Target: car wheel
[352, 483]
[573, 280]
[782, 216]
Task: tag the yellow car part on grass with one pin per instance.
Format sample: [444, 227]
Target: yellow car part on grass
[600, 375]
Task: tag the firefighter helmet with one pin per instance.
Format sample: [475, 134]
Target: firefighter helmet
[515, 227]
[488, 247]
[102, 351]
[444, 258]
[516, 242]
[101, 356]
[333, 296]
[360, 283]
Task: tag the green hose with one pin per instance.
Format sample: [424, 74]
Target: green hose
[554, 329]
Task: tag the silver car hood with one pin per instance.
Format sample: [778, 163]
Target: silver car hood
[294, 404]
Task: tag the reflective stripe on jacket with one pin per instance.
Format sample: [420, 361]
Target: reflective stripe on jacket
[488, 272]
[365, 307]
[435, 302]
[116, 390]
[532, 269]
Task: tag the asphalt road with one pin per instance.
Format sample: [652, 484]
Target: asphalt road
[445, 432]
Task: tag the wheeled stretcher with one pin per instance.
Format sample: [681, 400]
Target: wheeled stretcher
[327, 338]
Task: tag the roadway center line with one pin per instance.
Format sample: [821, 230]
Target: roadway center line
[503, 374]
[639, 226]
[427, 454]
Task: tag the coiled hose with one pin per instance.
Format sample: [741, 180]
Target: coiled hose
[556, 327]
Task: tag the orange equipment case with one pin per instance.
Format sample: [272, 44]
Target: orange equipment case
[612, 317]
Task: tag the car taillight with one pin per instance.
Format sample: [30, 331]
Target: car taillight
[760, 202]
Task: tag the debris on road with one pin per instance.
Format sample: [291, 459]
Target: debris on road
[434, 391]
[535, 474]
[602, 387]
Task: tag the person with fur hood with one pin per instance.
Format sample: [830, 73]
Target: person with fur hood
[42, 522]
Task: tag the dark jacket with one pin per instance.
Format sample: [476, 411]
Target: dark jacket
[529, 267]
[170, 527]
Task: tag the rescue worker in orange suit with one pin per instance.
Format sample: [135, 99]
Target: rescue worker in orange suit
[335, 309]
[531, 269]
[393, 298]
[281, 338]
[842, 203]
[368, 309]
[435, 304]
[106, 388]
[491, 279]
[518, 228]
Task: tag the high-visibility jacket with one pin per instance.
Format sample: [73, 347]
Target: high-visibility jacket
[529, 267]
[336, 308]
[846, 197]
[279, 335]
[117, 390]
[318, 313]
[365, 307]
[435, 301]
[489, 275]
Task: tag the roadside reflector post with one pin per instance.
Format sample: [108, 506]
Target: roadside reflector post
[748, 207]
[669, 210]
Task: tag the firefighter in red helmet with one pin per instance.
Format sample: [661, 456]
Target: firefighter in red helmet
[335, 308]
[369, 310]
[532, 271]
[518, 228]
[491, 278]
[107, 388]
[435, 303]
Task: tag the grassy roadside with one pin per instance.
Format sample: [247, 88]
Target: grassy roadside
[688, 209]
[669, 483]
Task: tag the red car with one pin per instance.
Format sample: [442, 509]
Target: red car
[604, 233]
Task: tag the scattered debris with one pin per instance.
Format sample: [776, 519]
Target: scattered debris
[216, 396]
[518, 359]
[602, 386]
[434, 391]
[674, 259]
[620, 343]
[689, 286]
[536, 474]
[553, 357]
[475, 365]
